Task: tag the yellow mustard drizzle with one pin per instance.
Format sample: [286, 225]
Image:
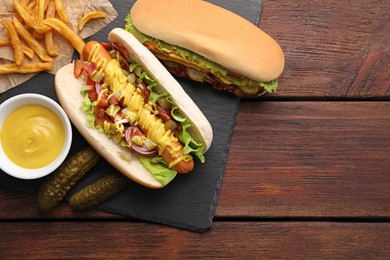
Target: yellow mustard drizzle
[139, 113]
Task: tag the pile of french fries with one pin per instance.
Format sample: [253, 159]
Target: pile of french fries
[30, 33]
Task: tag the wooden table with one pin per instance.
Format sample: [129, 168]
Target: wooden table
[308, 173]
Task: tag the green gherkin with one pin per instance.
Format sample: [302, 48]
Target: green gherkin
[99, 191]
[65, 177]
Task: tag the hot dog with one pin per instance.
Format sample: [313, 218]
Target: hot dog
[172, 153]
[204, 42]
[153, 127]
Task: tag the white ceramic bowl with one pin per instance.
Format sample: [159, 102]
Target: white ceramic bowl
[33, 99]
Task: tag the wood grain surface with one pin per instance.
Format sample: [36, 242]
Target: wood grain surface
[334, 49]
[317, 159]
[308, 173]
[232, 240]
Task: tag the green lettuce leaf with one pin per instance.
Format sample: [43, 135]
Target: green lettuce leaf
[154, 95]
[247, 85]
[191, 146]
[159, 170]
[88, 107]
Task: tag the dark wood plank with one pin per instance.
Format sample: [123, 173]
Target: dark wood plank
[289, 159]
[22, 206]
[334, 49]
[299, 159]
[269, 240]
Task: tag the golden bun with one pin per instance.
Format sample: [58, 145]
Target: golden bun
[68, 88]
[213, 32]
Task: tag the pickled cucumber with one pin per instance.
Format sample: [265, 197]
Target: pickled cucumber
[65, 177]
[99, 191]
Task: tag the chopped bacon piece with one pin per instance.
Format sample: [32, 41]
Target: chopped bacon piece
[107, 46]
[102, 100]
[93, 96]
[101, 116]
[81, 65]
[164, 113]
[146, 93]
[89, 67]
[122, 50]
[78, 68]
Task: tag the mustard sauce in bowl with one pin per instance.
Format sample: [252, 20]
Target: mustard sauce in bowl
[32, 136]
[35, 136]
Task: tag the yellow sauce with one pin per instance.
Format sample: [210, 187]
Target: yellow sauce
[32, 136]
[139, 112]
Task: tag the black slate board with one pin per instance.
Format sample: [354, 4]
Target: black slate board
[189, 201]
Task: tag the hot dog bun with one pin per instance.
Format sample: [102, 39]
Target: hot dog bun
[68, 91]
[213, 32]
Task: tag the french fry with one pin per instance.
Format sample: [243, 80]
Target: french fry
[14, 42]
[50, 44]
[61, 11]
[24, 3]
[47, 2]
[50, 12]
[40, 9]
[89, 16]
[26, 50]
[30, 7]
[68, 33]
[31, 41]
[39, 13]
[26, 67]
[4, 42]
[32, 22]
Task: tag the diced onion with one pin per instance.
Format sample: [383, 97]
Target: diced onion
[117, 94]
[121, 121]
[125, 111]
[98, 88]
[86, 87]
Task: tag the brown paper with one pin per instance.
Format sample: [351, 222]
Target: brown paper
[74, 9]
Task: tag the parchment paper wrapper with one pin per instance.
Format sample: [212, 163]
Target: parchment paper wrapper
[74, 9]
